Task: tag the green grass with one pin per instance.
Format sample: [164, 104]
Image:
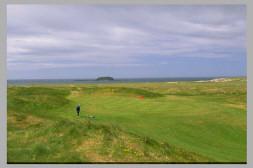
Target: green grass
[175, 122]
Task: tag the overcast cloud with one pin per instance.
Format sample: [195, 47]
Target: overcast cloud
[130, 39]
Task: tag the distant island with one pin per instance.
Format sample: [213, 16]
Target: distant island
[104, 79]
[98, 79]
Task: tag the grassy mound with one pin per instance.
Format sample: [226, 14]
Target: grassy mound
[121, 91]
[36, 101]
[47, 141]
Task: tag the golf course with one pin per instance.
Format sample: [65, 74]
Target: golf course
[168, 122]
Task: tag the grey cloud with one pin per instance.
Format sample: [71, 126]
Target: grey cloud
[122, 34]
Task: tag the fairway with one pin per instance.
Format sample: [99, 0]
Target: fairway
[174, 122]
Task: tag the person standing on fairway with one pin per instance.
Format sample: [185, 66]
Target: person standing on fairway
[78, 110]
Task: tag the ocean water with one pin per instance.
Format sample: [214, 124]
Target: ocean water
[21, 82]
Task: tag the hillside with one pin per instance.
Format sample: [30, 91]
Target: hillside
[176, 122]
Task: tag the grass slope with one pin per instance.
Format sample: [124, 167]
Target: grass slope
[175, 122]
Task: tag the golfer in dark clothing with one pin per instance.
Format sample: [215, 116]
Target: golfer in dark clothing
[78, 110]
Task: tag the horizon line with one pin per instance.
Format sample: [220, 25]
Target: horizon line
[129, 77]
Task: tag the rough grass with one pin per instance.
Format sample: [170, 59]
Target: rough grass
[121, 91]
[88, 142]
[175, 122]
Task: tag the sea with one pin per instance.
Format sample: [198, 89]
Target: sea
[21, 82]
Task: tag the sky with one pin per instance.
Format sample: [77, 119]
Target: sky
[125, 41]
